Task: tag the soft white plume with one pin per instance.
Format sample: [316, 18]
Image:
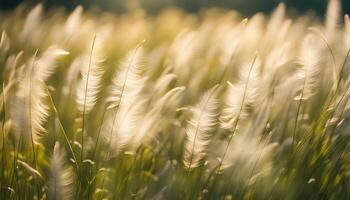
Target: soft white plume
[31, 28]
[241, 95]
[200, 127]
[347, 30]
[310, 67]
[129, 80]
[62, 178]
[332, 16]
[38, 110]
[33, 172]
[72, 77]
[153, 119]
[47, 63]
[73, 21]
[126, 104]
[32, 93]
[4, 43]
[276, 20]
[249, 152]
[91, 72]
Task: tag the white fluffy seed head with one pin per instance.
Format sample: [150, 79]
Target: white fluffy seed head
[199, 128]
[91, 75]
[62, 178]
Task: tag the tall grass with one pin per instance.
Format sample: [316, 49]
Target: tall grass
[97, 105]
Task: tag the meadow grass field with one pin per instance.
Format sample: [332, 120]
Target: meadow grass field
[207, 105]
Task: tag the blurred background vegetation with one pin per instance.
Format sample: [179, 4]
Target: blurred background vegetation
[246, 7]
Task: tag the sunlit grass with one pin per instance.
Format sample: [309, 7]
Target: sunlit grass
[174, 106]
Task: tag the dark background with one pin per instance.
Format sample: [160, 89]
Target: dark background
[246, 7]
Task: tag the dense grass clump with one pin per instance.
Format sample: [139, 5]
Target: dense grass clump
[174, 106]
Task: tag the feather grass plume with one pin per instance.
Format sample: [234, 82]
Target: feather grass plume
[138, 143]
[31, 26]
[71, 79]
[62, 178]
[125, 102]
[152, 120]
[276, 20]
[73, 21]
[37, 110]
[33, 172]
[310, 67]
[200, 127]
[347, 30]
[91, 72]
[4, 44]
[249, 153]
[32, 94]
[89, 86]
[128, 81]
[241, 95]
[39, 72]
[332, 17]
[47, 63]
[239, 98]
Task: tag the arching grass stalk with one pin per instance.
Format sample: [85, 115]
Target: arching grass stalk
[329, 141]
[98, 135]
[121, 99]
[298, 112]
[85, 97]
[333, 96]
[319, 33]
[239, 113]
[94, 154]
[61, 127]
[198, 125]
[336, 78]
[217, 169]
[30, 128]
[3, 155]
[107, 158]
[267, 140]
